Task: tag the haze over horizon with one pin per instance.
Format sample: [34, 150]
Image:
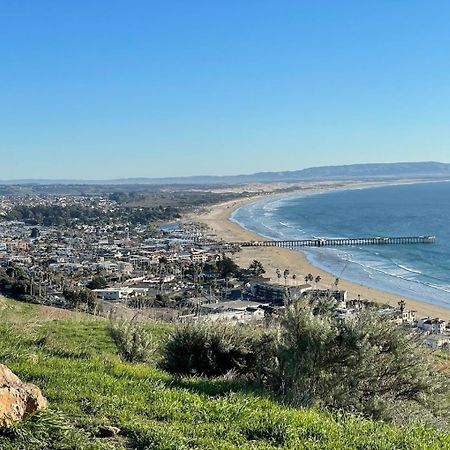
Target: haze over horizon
[116, 90]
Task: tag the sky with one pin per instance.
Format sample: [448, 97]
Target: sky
[115, 89]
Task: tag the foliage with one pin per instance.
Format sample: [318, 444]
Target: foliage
[34, 233]
[82, 298]
[227, 267]
[47, 429]
[133, 204]
[363, 363]
[256, 268]
[88, 386]
[141, 302]
[218, 349]
[56, 215]
[16, 283]
[97, 283]
[133, 341]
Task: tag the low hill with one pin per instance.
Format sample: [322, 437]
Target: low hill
[75, 363]
[413, 170]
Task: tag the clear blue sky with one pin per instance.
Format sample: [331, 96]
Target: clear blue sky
[105, 89]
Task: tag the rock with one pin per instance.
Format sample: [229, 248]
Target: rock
[107, 431]
[17, 398]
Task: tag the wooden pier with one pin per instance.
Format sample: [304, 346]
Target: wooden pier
[337, 242]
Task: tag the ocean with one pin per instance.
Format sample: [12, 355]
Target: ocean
[420, 271]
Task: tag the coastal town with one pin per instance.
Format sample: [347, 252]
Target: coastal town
[149, 269]
[224, 225]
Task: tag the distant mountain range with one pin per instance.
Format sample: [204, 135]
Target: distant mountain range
[346, 172]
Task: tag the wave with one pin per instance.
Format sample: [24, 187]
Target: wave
[286, 225]
[408, 269]
[390, 269]
[382, 269]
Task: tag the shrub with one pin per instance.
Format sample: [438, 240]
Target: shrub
[133, 341]
[363, 363]
[217, 349]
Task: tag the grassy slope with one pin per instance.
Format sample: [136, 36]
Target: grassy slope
[81, 375]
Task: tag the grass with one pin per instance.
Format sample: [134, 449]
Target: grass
[76, 364]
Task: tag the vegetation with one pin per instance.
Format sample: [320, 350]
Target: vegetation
[134, 343]
[97, 283]
[133, 204]
[55, 215]
[256, 268]
[218, 349]
[227, 267]
[88, 387]
[363, 364]
[82, 298]
[17, 284]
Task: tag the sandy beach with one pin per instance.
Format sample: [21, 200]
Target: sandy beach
[217, 218]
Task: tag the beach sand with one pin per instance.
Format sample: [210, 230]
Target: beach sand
[217, 218]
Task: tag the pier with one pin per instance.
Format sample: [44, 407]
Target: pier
[336, 242]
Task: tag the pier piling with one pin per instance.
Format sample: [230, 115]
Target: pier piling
[333, 242]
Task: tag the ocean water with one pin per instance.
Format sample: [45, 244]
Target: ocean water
[420, 271]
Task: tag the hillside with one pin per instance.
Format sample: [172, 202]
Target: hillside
[414, 170]
[76, 365]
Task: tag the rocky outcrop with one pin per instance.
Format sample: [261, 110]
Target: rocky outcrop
[17, 398]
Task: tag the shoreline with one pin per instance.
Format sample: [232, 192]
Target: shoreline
[218, 219]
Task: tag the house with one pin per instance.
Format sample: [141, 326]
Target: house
[400, 317]
[434, 326]
[117, 294]
[237, 311]
[339, 296]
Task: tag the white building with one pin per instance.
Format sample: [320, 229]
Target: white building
[436, 326]
[117, 294]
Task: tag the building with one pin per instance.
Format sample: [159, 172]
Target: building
[276, 293]
[434, 326]
[121, 293]
[339, 296]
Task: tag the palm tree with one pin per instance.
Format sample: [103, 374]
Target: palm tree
[285, 275]
[278, 273]
[317, 279]
[294, 278]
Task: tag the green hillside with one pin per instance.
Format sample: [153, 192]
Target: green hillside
[75, 363]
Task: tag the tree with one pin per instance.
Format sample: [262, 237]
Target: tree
[336, 283]
[82, 298]
[256, 268]
[227, 267]
[34, 233]
[278, 273]
[97, 283]
[317, 279]
[285, 275]
[93, 304]
[309, 278]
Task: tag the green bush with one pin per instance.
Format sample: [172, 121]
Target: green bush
[363, 364]
[218, 349]
[133, 341]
